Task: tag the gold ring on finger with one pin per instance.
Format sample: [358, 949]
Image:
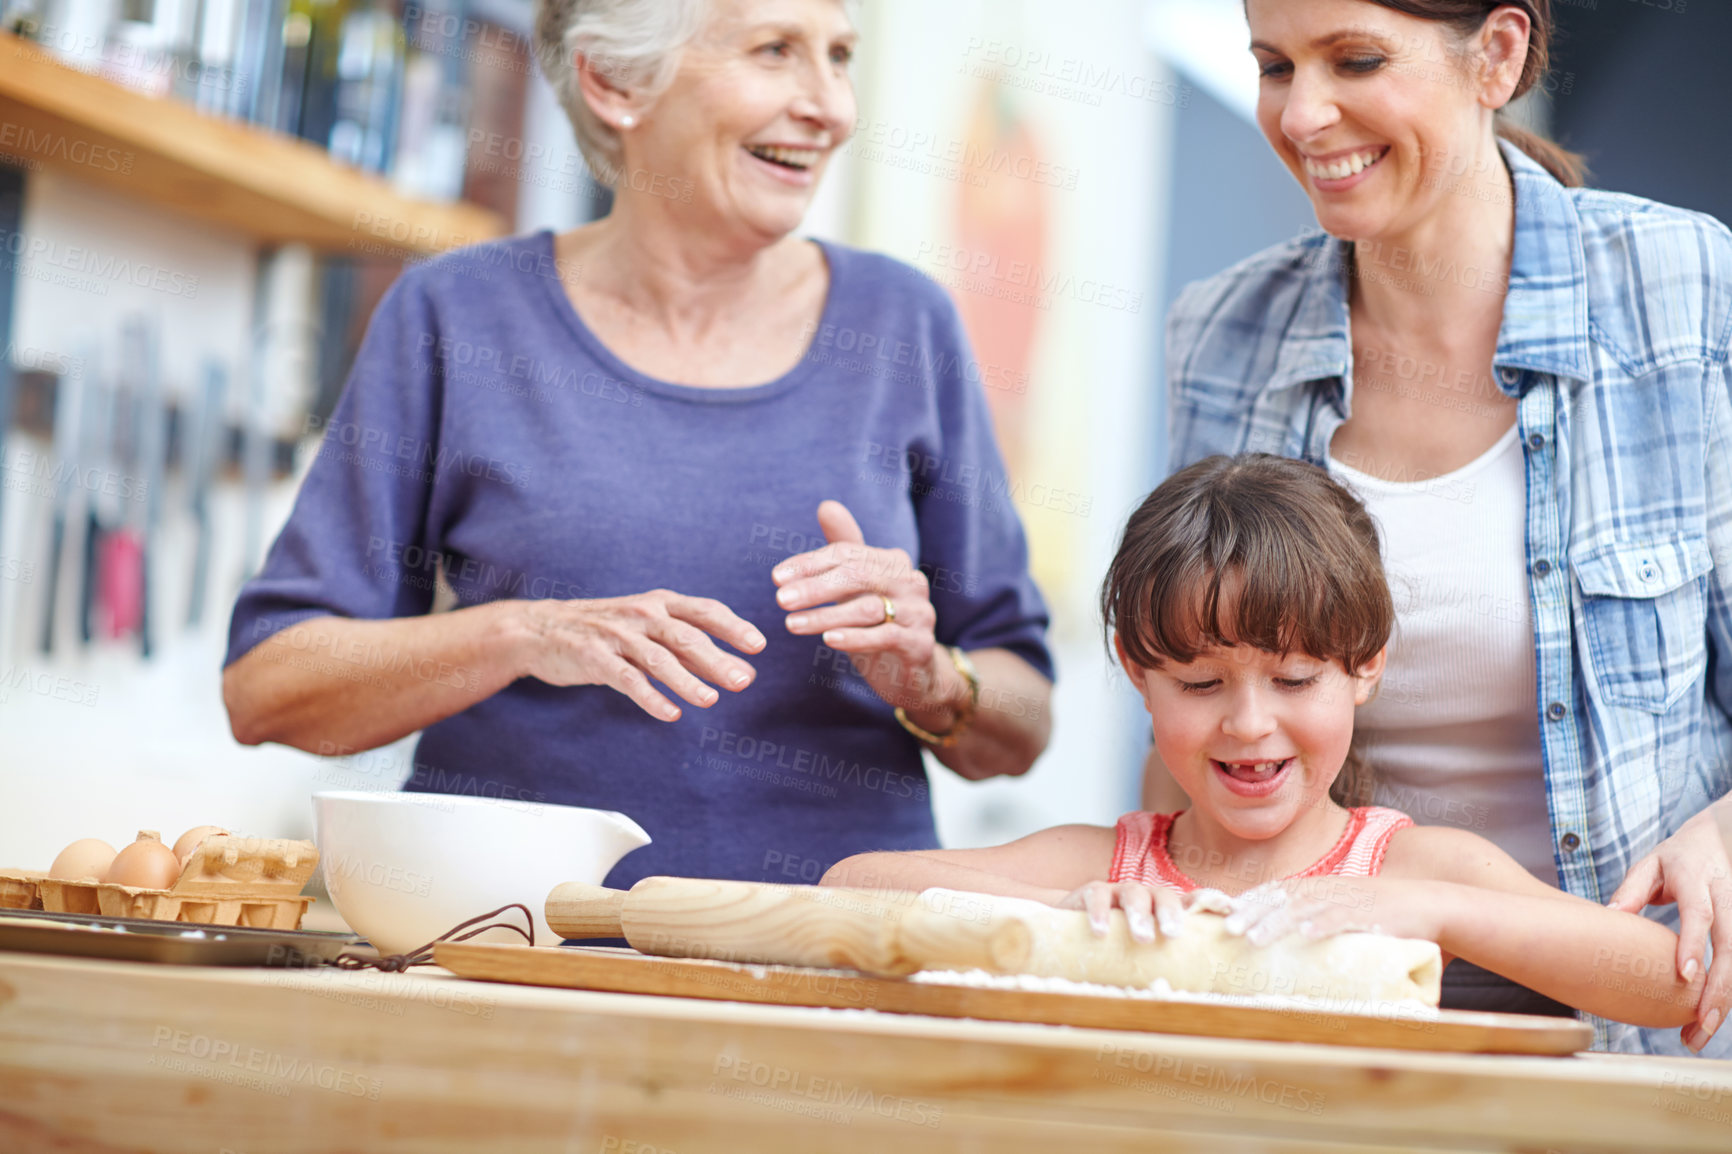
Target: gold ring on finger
[889, 610]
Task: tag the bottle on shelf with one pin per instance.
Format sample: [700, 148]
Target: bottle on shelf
[369, 83]
[23, 17]
[217, 41]
[258, 61]
[77, 30]
[432, 144]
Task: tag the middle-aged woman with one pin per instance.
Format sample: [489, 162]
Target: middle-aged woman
[613, 444]
[1527, 382]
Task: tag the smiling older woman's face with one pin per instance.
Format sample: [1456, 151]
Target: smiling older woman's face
[761, 101]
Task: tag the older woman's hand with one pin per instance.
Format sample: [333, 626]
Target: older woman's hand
[876, 607]
[622, 642]
[1693, 867]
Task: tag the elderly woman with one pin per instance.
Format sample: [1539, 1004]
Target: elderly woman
[634, 456]
[1528, 384]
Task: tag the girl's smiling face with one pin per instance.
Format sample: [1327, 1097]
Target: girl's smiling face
[1254, 738]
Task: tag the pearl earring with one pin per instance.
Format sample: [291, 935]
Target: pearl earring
[627, 120]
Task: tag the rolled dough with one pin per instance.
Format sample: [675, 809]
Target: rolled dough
[1028, 937]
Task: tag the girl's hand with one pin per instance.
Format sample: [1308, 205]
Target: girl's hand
[1692, 868]
[1321, 907]
[1144, 907]
[622, 642]
[841, 590]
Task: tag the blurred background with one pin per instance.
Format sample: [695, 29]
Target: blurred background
[202, 200]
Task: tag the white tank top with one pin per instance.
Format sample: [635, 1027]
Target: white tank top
[1452, 735]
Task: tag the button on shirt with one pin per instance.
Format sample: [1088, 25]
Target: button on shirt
[1615, 341]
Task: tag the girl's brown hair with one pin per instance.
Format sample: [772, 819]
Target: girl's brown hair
[1467, 17]
[1296, 550]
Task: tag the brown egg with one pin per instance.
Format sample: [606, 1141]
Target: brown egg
[146, 864]
[189, 841]
[86, 859]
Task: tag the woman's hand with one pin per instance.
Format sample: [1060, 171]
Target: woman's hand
[1144, 906]
[1692, 868]
[622, 642]
[1321, 907]
[840, 591]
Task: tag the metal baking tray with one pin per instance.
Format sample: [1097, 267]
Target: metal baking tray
[173, 943]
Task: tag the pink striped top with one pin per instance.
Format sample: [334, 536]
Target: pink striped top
[1140, 854]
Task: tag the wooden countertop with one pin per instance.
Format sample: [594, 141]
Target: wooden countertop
[113, 1056]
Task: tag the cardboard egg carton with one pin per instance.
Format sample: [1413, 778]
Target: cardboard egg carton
[227, 881]
[19, 889]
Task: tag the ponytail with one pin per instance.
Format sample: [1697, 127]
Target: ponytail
[1570, 169]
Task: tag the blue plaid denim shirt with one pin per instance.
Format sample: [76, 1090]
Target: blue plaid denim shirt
[1615, 341]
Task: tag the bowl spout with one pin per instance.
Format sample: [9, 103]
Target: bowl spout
[620, 835]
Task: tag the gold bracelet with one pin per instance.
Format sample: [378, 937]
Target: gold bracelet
[964, 716]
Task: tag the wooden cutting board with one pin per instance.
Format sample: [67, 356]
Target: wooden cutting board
[627, 971]
[895, 933]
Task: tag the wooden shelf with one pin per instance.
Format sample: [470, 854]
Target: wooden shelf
[261, 184]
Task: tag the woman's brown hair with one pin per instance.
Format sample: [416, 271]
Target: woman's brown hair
[1296, 550]
[1467, 17]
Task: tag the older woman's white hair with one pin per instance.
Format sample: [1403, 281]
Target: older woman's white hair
[634, 43]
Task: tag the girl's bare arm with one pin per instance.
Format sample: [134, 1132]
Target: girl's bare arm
[1045, 866]
[1495, 914]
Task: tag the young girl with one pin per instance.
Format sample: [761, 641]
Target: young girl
[1248, 606]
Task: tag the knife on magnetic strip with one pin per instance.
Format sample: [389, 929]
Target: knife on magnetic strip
[11, 217]
[204, 451]
[69, 402]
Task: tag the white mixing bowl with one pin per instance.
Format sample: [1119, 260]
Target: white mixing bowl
[404, 868]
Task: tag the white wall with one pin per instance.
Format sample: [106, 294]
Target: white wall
[97, 742]
[1084, 78]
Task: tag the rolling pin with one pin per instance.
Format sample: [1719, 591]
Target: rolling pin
[893, 934]
[889, 934]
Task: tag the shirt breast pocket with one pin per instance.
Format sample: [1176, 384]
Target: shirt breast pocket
[1641, 619]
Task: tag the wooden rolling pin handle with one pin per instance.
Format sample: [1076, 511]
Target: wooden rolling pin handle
[575, 910]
